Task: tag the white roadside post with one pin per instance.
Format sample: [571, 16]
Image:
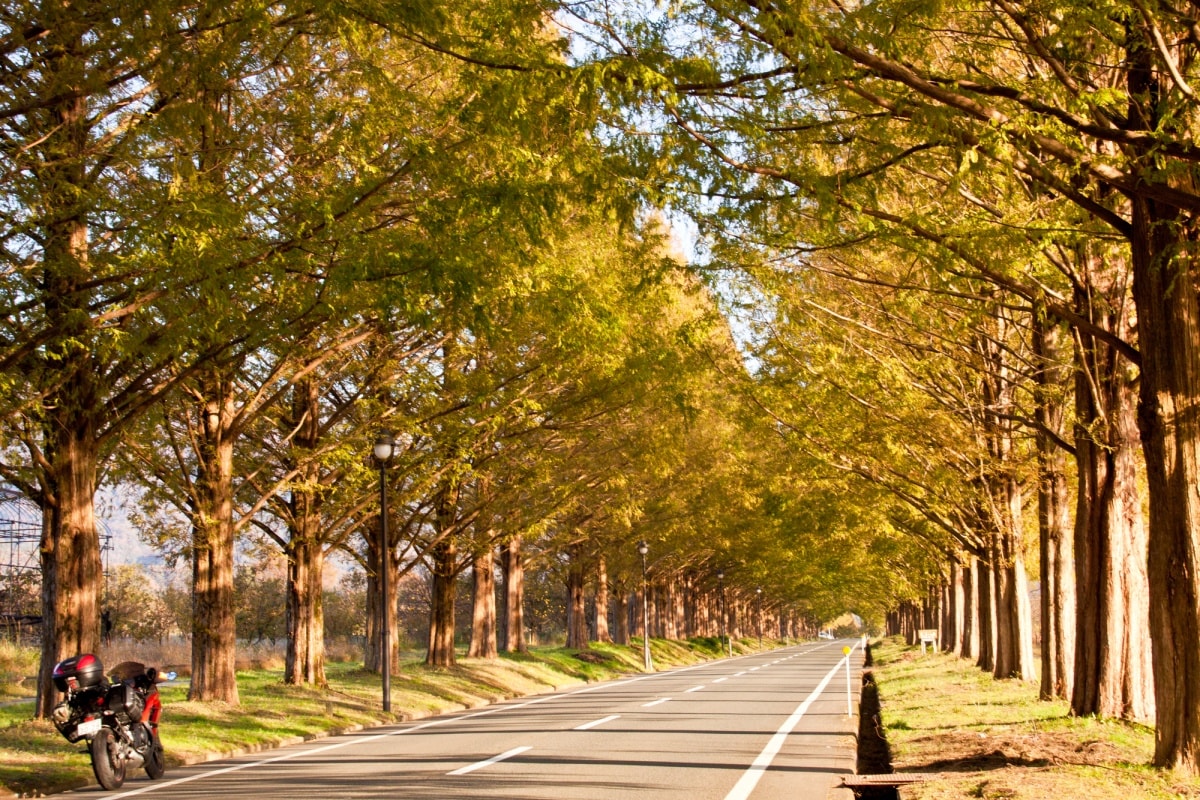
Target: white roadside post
[849, 704]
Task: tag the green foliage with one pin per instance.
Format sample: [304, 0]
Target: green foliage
[345, 609]
[134, 606]
[261, 604]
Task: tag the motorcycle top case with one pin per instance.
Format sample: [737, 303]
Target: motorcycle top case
[83, 671]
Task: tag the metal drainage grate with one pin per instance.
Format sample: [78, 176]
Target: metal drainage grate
[891, 779]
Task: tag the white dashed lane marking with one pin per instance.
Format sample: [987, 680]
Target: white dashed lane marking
[516, 751]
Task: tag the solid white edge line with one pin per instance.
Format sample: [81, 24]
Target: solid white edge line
[589, 725]
[745, 785]
[516, 751]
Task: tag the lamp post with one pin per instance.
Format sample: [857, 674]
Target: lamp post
[644, 548]
[385, 448]
[758, 594]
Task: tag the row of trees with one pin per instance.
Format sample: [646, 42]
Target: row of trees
[241, 242]
[978, 220]
[238, 241]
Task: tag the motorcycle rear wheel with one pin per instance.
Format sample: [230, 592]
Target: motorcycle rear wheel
[109, 768]
[155, 763]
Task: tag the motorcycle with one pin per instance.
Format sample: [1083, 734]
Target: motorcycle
[117, 715]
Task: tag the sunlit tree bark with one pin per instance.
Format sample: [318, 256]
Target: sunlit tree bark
[483, 605]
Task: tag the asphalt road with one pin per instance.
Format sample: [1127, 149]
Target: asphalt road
[770, 725]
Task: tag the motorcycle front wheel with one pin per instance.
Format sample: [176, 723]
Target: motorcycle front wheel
[155, 764]
[109, 768]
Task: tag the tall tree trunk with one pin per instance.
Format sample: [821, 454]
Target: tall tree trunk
[984, 585]
[1010, 638]
[678, 607]
[1014, 634]
[639, 609]
[957, 594]
[577, 634]
[371, 640]
[946, 620]
[73, 412]
[671, 607]
[1112, 656]
[654, 600]
[620, 609]
[214, 634]
[514, 597]
[691, 612]
[1166, 276]
[703, 611]
[70, 560]
[483, 604]
[1169, 336]
[1055, 546]
[444, 558]
[444, 553]
[305, 660]
[444, 565]
[602, 634]
[972, 609]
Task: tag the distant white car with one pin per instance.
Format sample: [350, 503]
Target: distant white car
[825, 635]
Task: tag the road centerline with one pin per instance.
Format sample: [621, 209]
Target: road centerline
[516, 751]
[589, 725]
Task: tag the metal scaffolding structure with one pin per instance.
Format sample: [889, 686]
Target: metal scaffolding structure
[20, 569]
[20, 565]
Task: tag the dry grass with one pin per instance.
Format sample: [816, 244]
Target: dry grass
[995, 739]
[17, 667]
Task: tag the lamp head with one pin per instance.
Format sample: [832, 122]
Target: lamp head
[385, 447]
[642, 547]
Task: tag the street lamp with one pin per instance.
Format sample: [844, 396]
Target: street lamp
[758, 592]
[644, 548]
[385, 448]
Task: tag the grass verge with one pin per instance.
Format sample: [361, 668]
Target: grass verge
[35, 760]
[994, 739]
